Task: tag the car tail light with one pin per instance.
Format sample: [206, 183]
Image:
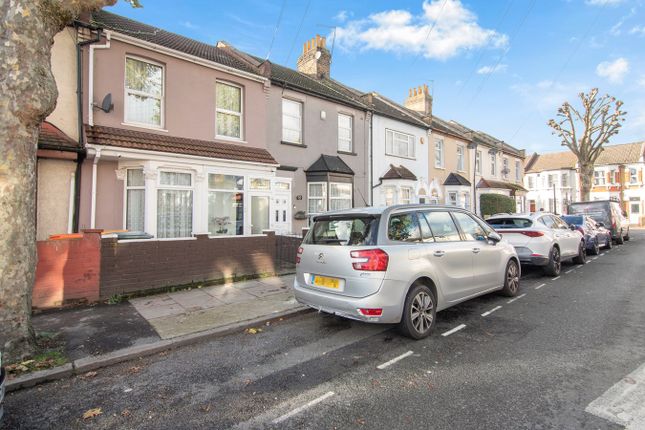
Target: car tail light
[529, 233]
[373, 260]
[371, 312]
[581, 230]
[298, 256]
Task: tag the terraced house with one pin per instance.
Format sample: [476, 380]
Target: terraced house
[553, 180]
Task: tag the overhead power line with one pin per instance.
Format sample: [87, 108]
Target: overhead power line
[277, 26]
[431, 28]
[295, 38]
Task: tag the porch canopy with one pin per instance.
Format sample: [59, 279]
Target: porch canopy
[513, 189]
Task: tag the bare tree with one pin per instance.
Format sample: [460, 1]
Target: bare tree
[27, 95]
[586, 133]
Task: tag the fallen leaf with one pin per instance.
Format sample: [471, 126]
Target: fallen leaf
[125, 413]
[253, 330]
[91, 413]
[28, 362]
[134, 369]
[89, 375]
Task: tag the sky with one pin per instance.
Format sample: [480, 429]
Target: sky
[499, 66]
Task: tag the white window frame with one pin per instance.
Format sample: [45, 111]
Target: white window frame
[411, 152]
[351, 193]
[127, 187]
[633, 176]
[599, 177]
[505, 167]
[301, 104]
[439, 163]
[240, 114]
[466, 204]
[478, 162]
[493, 164]
[245, 191]
[126, 91]
[530, 182]
[518, 170]
[451, 201]
[461, 155]
[323, 198]
[564, 180]
[161, 186]
[385, 192]
[351, 133]
[402, 199]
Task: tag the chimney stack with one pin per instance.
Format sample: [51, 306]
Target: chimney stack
[315, 59]
[419, 100]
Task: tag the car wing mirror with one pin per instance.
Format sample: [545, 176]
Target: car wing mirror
[572, 227]
[494, 237]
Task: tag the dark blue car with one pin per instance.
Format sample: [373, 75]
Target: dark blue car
[595, 234]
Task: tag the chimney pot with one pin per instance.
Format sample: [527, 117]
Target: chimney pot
[315, 59]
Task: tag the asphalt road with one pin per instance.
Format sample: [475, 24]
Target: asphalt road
[534, 363]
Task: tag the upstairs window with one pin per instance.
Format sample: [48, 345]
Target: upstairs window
[228, 110]
[633, 176]
[531, 182]
[460, 158]
[345, 133]
[143, 93]
[518, 170]
[565, 180]
[399, 144]
[505, 167]
[598, 177]
[478, 162]
[291, 121]
[438, 153]
[493, 164]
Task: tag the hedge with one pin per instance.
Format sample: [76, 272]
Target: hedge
[491, 204]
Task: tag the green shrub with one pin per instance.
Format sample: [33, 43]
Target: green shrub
[490, 204]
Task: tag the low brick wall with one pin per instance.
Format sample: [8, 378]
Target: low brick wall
[68, 270]
[133, 266]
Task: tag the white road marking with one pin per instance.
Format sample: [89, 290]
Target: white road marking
[303, 407]
[556, 278]
[624, 402]
[454, 330]
[587, 262]
[540, 286]
[485, 314]
[601, 254]
[394, 360]
[516, 298]
[595, 258]
[569, 271]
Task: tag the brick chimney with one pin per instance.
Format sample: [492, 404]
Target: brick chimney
[315, 59]
[419, 100]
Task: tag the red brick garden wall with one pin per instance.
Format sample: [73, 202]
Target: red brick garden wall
[130, 266]
[68, 270]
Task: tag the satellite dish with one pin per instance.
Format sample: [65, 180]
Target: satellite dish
[106, 105]
[318, 54]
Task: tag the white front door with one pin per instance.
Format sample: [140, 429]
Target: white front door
[259, 214]
[281, 213]
[634, 213]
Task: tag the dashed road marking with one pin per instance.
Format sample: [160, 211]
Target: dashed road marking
[595, 258]
[587, 262]
[303, 407]
[394, 360]
[569, 271]
[540, 286]
[516, 298]
[485, 314]
[454, 330]
[556, 278]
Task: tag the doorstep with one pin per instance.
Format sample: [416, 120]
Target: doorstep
[193, 311]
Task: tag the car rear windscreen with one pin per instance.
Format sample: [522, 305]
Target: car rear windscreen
[500, 223]
[575, 220]
[598, 211]
[344, 231]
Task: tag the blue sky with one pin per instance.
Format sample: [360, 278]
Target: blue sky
[500, 66]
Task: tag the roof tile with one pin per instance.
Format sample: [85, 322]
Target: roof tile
[51, 137]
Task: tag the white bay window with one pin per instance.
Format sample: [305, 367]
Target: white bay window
[174, 205]
[340, 196]
[316, 197]
[225, 205]
[134, 200]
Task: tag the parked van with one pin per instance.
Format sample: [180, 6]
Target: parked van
[607, 213]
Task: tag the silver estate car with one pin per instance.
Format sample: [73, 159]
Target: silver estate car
[401, 264]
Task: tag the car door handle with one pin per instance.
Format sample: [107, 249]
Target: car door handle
[439, 253]
[476, 250]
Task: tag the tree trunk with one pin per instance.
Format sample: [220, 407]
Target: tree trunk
[28, 94]
[586, 181]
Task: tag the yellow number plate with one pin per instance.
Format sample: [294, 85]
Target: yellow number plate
[323, 281]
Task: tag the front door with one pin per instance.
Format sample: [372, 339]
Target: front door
[281, 213]
[634, 213]
[259, 214]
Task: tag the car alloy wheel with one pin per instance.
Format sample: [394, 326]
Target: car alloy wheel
[421, 314]
[512, 281]
[556, 261]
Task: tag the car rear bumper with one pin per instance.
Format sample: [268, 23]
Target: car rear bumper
[389, 298]
[527, 256]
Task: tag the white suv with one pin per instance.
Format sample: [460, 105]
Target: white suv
[541, 239]
[401, 264]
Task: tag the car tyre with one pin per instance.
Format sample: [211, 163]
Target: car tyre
[419, 312]
[582, 254]
[555, 263]
[511, 279]
[626, 236]
[595, 250]
[620, 240]
[609, 243]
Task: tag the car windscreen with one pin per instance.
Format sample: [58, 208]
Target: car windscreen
[598, 211]
[344, 231]
[500, 223]
[575, 220]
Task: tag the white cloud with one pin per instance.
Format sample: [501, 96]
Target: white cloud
[614, 71]
[638, 29]
[189, 25]
[455, 30]
[546, 96]
[486, 70]
[641, 81]
[342, 16]
[604, 2]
